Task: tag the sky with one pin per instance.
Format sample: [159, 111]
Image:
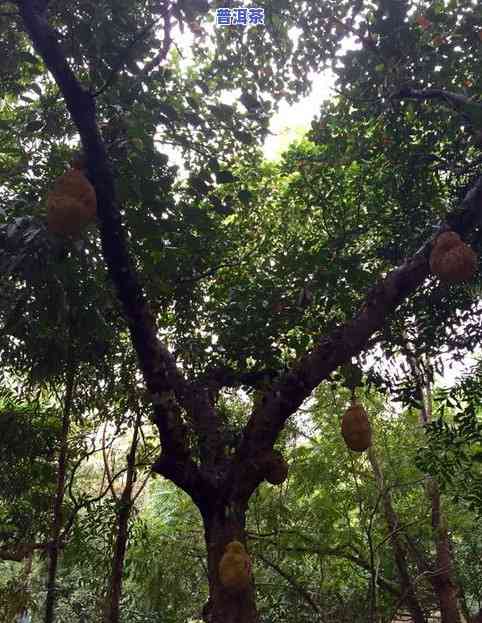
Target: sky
[291, 119]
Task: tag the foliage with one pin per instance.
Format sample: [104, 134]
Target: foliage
[167, 524]
[247, 264]
[453, 450]
[28, 442]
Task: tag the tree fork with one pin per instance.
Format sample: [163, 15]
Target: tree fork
[160, 372]
[164, 382]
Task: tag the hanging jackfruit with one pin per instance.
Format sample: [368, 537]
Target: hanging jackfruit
[275, 468]
[451, 260]
[235, 567]
[355, 428]
[71, 204]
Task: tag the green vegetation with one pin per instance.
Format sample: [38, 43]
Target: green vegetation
[161, 366]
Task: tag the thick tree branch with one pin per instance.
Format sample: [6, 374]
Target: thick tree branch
[347, 340]
[164, 381]
[20, 551]
[470, 110]
[455, 100]
[166, 44]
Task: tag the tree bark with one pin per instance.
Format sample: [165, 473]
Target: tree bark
[225, 524]
[115, 585]
[408, 592]
[22, 614]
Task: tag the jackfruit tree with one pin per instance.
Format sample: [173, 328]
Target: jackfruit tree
[235, 274]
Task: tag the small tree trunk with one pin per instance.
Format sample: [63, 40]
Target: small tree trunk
[54, 545]
[407, 588]
[221, 527]
[444, 586]
[115, 585]
[112, 611]
[442, 580]
[22, 615]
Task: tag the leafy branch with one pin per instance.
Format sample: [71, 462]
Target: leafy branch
[167, 386]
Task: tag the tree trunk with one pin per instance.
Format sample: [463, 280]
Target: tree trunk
[409, 595]
[112, 611]
[221, 526]
[54, 545]
[444, 586]
[22, 615]
[442, 578]
[115, 585]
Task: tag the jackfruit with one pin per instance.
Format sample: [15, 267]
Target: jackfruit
[235, 567]
[275, 468]
[451, 260]
[355, 428]
[71, 204]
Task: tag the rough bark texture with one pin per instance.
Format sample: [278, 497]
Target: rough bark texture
[220, 527]
[408, 592]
